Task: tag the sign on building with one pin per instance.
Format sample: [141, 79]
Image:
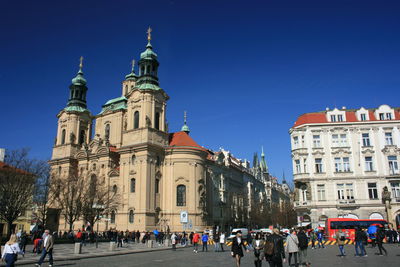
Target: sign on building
[184, 217]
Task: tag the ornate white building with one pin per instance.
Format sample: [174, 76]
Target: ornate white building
[342, 160]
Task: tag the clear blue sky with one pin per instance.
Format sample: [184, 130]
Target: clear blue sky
[244, 70]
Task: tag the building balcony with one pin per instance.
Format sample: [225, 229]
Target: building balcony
[301, 176]
[347, 203]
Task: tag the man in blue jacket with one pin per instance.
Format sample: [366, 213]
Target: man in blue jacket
[204, 239]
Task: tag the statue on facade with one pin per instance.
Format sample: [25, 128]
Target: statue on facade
[148, 121]
[72, 137]
[125, 123]
[386, 195]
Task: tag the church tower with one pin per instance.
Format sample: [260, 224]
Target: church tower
[144, 139]
[74, 121]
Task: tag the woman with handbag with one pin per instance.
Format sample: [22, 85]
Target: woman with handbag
[237, 248]
[258, 247]
[11, 250]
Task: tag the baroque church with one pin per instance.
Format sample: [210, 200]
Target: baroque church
[165, 180]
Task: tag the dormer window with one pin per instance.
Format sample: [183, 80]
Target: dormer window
[363, 117]
[333, 118]
[339, 117]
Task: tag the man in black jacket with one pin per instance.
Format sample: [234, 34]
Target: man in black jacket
[303, 245]
[275, 242]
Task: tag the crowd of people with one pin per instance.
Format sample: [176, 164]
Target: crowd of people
[268, 246]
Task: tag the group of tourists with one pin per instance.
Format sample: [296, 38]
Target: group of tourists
[16, 245]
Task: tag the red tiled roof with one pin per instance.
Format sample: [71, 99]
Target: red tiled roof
[310, 118]
[6, 167]
[320, 117]
[182, 139]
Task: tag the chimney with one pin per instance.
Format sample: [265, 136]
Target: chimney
[2, 154]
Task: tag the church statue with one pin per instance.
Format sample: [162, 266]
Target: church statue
[125, 123]
[72, 137]
[386, 195]
[148, 122]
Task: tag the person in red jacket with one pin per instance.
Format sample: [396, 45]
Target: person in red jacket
[196, 239]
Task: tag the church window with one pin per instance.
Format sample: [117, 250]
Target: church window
[181, 195]
[133, 159]
[157, 186]
[157, 121]
[94, 166]
[92, 185]
[82, 137]
[136, 120]
[133, 185]
[115, 189]
[107, 132]
[158, 161]
[148, 69]
[142, 71]
[59, 170]
[131, 216]
[126, 89]
[112, 219]
[63, 137]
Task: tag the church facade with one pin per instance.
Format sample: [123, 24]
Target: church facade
[164, 180]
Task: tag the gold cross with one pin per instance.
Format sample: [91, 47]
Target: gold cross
[184, 116]
[81, 62]
[149, 34]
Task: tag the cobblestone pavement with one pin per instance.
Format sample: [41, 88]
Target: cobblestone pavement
[186, 257]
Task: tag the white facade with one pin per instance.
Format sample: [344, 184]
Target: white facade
[342, 160]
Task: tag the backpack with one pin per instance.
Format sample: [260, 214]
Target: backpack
[269, 248]
[79, 235]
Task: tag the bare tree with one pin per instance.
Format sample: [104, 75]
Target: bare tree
[99, 199]
[17, 183]
[68, 196]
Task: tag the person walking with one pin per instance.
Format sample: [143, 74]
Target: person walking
[23, 241]
[196, 239]
[341, 240]
[380, 236]
[237, 248]
[320, 237]
[292, 247]
[222, 241]
[258, 247]
[273, 249]
[216, 242]
[173, 241]
[204, 239]
[11, 251]
[313, 237]
[303, 246]
[48, 244]
[191, 238]
[359, 242]
[372, 234]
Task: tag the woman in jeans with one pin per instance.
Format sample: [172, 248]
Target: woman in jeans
[292, 247]
[11, 251]
[258, 247]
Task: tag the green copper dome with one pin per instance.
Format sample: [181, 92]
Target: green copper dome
[185, 128]
[79, 79]
[148, 53]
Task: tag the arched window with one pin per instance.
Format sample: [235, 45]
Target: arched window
[133, 185]
[181, 195]
[142, 71]
[157, 187]
[158, 161]
[115, 189]
[133, 159]
[157, 121]
[93, 185]
[107, 132]
[136, 120]
[131, 216]
[126, 89]
[112, 219]
[63, 137]
[82, 137]
[148, 69]
[59, 170]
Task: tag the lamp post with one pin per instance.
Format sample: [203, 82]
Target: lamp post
[98, 208]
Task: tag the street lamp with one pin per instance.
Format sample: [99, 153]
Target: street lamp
[98, 208]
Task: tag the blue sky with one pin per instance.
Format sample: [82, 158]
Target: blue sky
[243, 70]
